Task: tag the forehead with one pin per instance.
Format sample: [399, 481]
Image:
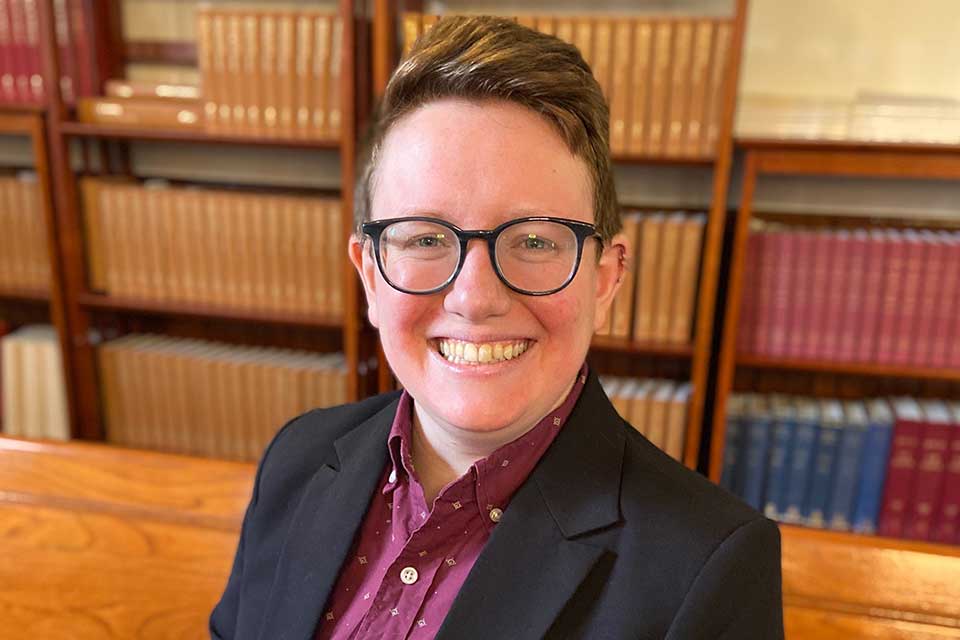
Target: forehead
[477, 165]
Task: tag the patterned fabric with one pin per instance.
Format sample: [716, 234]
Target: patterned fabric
[408, 562]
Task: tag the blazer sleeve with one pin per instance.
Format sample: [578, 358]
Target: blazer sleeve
[738, 592]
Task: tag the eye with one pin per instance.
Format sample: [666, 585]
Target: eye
[535, 242]
[430, 241]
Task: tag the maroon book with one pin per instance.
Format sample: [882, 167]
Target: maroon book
[8, 86]
[818, 283]
[953, 333]
[80, 32]
[784, 247]
[931, 281]
[765, 293]
[800, 292]
[947, 528]
[747, 325]
[851, 314]
[908, 311]
[931, 471]
[901, 467]
[68, 68]
[18, 48]
[838, 290]
[892, 296]
[947, 304]
[873, 281]
[34, 62]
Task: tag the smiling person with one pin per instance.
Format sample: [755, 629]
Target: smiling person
[499, 495]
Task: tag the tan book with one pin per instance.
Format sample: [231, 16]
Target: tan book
[583, 38]
[306, 41]
[699, 84]
[155, 239]
[116, 270]
[306, 247]
[543, 24]
[12, 380]
[666, 274]
[93, 228]
[116, 88]
[7, 240]
[220, 72]
[528, 21]
[320, 80]
[649, 261]
[314, 281]
[614, 390]
[619, 97]
[109, 393]
[624, 303]
[252, 80]
[217, 247]
[626, 391]
[33, 375]
[411, 31]
[178, 268]
[659, 87]
[286, 72]
[241, 243]
[271, 248]
[603, 53]
[679, 110]
[229, 208]
[225, 440]
[169, 113]
[657, 417]
[677, 421]
[336, 255]
[564, 28]
[336, 64]
[139, 258]
[259, 276]
[234, 80]
[268, 73]
[640, 72]
[36, 272]
[685, 280]
[291, 248]
[196, 273]
[718, 72]
[57, 421]
[640, 406]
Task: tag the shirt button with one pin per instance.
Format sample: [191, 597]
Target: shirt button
[409, 575]
[495, 514]
[393, 476]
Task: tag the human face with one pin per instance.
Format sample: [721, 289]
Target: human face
[478, 165]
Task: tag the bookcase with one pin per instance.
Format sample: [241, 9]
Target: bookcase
[884, 366]
[69, 151]
[396, 23]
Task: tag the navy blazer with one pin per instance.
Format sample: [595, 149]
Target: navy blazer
[608, 538]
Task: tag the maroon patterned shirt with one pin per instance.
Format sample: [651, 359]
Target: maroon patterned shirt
[408, 562]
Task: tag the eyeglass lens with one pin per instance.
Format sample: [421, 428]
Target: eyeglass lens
[535, 256]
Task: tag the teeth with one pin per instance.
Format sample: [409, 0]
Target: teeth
[482, 353]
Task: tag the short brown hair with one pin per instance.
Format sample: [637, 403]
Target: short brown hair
[491, 58]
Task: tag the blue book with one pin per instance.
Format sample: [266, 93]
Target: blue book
[731, 478]
[824, 463]
[800, 467]
[781, 443]
[849, 454]
[757, 449]
[873, 466]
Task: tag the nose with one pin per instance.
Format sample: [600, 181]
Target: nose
[477, 293]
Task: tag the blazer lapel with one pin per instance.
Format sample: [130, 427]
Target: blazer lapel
[541, 550]
[322, 531]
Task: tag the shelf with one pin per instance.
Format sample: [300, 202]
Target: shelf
[849, 368]
[86, 129]
[677, 350]
[683, 161]
[867, 540]
[29, 295]
[795, 144]
[153, 307]
[22, 108]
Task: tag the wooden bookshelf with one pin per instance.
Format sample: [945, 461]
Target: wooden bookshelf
[29, 295]
[90, 130]
[805, 158]
[386, 48]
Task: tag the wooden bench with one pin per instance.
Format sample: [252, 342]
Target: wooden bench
[114, 543]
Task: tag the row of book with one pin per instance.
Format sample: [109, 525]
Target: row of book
[236, 249]
[663, 78]
[210, 399]
[655, 408]
[34, 397]
[21, 68]
[882, 296]
[24, 258]
[656, 298]
[882, 466]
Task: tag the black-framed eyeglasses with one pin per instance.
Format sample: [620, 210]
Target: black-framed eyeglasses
[535, 256]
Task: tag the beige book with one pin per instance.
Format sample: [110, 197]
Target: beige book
[640, 72]
[116, 88]
[679, 110]
[625, 300]
[640, 406]
[93, 228]
[6, 239]
[210, 86]
[657, 418]
[177, 262]
[109, 393]
[259, 283]
[543, 24]
[37, 265]
[718, 72]
[271, 248]
[286, 75]
[169, 113]
[19, 274]
[291, 245]
[205, 245]
[699, 83]
[223, 277]
[252, 79]
[677, 421]
[140, 256]
[336, 256]
[117, 274]
[241, 248]
[303, 68]
[314, 281]
[224, 436]
[564, 28]
[335, 75]
[603, 53]
[222, 71]
[268, 73]
[340, 382]
[649, 262]
[659, 87]
[685, 280]
[157, 238]
[666, 275]
[306, 248]
[619, 97]
[56, 422]
[12, 381]
[411, 31]
[583, 38]
[626, 391]
[34, 374]
[320, 65]
[234, 79]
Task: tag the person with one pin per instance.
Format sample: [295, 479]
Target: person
[499, 495]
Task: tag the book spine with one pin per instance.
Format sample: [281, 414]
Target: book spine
[286, 76]
[678, 112]
[929, 482]
[306, 41]
[784, 246]
[901, 475]
[640, 87]
[79, 22]
[733, 456]
[688, 269]
[268, 73]
[824, 470]
[818, 285]
[907, 310]
[801, 471]
[931, 288]
[252, 82]
[602, 52]
[947, 528]
[660, 87]
[837, 293]
[699, 86]
[21, 63]
[775, 498]
[893, 272]
[851, 316]
[757, 452]
[334, 74]
[624, 303]
[620, 87]
[947, 306]
[650, 232]
[208, 79]
[766, 292]
[718, 72]
[798, 324]
[747, 325]
[8, 84]
[849, 455]
[667, 277]
[873, 283]
[34, 66]
[234, 80]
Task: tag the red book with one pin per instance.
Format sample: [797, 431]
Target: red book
[818, 285]
[931, 280]
[947, 304]
[892, 296]
[784, 248]
[800, 291]
[931, 471]
[953, 334]
[8, 86]
[901, 467]
[18, 50]
[873, 280]
[83, 52]
[68, 70]
[908, 307]
[747, 325]
[851, 314]
[837, 292]
[947, 528]
[34, 63]
[765, 293]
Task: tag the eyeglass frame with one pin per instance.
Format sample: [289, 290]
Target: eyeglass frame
[582, 230]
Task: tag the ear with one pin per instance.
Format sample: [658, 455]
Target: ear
[363, 261]
[613, 265]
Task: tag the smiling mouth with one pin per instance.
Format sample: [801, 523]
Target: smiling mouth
[477, 353]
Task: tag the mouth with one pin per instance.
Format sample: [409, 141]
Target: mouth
[479, 353]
